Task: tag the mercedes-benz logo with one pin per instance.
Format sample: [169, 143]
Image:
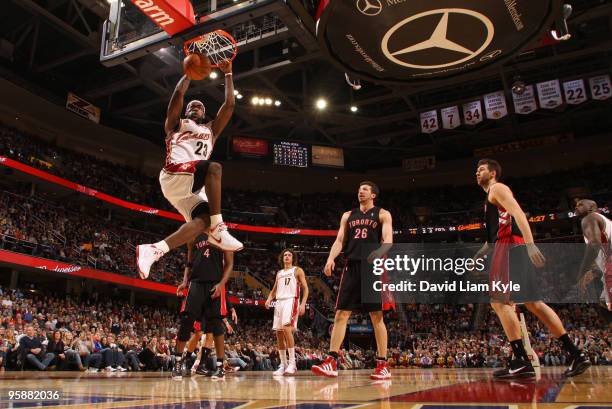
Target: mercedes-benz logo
[369, 7]
[438, 39]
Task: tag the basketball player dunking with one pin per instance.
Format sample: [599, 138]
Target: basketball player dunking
[286, 292]
[206, 273]
[367, 224]
[507, 227]
[188, 175]
[597, 261]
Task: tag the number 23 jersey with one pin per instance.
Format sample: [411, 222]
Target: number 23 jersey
[362, 228]
[190, 143]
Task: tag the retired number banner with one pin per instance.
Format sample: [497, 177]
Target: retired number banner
[472, 112]
[429, 121]
[600, 87]
[450, 117]
[575, 92]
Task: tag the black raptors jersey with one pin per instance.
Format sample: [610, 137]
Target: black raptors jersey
[500, 225]
[207, 261]
[362, 228]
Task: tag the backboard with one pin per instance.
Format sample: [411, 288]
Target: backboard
[129, 33]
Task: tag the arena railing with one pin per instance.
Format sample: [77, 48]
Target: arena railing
[73, 270]
[410, 231]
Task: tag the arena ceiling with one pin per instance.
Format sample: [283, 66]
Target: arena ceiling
[53, 47]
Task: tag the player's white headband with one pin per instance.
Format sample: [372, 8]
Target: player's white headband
[195, 101]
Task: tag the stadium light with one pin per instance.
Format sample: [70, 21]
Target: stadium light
[239, 96]
[214, 75]
[277, 103]
[321, 104]
[354, 108]
[255, 100]
[268, 101]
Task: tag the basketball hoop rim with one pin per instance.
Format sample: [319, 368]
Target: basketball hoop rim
[201, 37]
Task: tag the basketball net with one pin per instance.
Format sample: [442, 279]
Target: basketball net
[218, 46]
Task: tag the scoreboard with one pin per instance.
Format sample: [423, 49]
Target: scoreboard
[290, 154]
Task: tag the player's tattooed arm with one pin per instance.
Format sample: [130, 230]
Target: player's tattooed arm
[175, 107]
[337, 246]
[301, 276]
[227, 109]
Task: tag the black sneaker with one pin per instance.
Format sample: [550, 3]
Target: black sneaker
[186, 366]
[219, 373]
[202, 370]
[177, 370]
[578, 364]
[517, 368]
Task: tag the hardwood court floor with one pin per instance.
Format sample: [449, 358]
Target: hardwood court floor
[409, 388]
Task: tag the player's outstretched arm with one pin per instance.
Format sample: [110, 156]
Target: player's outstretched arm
[337, 246]
[301, 276]
[227, 109]
[502, 194]
[175, 107]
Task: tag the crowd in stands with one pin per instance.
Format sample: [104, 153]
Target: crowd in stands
[448, 205]
[42, 331]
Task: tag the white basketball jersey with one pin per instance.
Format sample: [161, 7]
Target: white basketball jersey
[606, 242]
[286, 284]
[192, 142]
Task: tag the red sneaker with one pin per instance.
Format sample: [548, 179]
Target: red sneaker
[381, 372]
[328, 368]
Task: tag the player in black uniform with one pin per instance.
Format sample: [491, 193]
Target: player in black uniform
[206, 274]
[367, 224]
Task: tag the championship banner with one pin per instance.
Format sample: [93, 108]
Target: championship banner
[327, 156]
[419, 163]
[575, 92]
[250, 147]
[83, 108]
[450, 117]
[601, 89]
[495, 105]
[472, 113]
[525, 103]
[429, 121]
[549, 93]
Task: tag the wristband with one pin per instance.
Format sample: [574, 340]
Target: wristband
[228, 73]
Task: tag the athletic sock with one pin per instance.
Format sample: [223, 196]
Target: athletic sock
[283, 356]
[215, 219]
[163, 246]
[219, 362]
[519, 349]
[380, 358]
[291, 356]
[569, 345]
[333, 354]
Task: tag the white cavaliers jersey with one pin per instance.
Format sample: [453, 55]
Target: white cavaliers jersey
[190, 143]
[286, 284]
[606, 243]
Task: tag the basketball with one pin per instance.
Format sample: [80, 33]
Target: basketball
[196, 66]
